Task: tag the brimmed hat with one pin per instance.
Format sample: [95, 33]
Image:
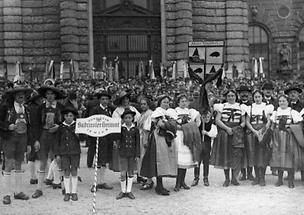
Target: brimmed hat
[59, 94]
[69, 110]
[128, 111]
[17, 89]
[103, 93]
[267, 86]
[244, 88]
[121, 96]
[293, 88]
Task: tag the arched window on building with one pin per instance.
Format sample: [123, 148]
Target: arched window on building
[259, 45]
[301, 50]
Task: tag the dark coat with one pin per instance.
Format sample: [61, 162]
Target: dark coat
[5, 111]
[67, 141]
[129, 142]
[272, 101]
[298, 106]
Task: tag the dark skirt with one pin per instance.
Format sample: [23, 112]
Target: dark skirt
[258, 154]
[286, 153]
[223, 150]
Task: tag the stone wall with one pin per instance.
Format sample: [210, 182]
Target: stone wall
[281, 29]
[36, 31]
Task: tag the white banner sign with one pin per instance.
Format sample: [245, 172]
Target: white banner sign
[98, 125]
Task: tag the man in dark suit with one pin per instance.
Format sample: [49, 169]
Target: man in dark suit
[105, 143]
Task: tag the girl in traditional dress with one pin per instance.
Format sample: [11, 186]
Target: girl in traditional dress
[187, 140]
[285, 150]
[160, 159]
[144, 125]
[227, 151]
[257, 121]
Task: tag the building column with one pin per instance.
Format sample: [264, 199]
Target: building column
[69, 30]
[163, 31]
[184, 33]
[237, 33]
[90, 30]
[12, 36]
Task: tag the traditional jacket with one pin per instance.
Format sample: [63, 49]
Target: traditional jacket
[129, 142]
[67, 141]
[8, 115]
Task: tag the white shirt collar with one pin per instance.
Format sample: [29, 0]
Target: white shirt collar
[64, 123]
[132, 126]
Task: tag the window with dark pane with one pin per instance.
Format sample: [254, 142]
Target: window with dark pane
[259, 45]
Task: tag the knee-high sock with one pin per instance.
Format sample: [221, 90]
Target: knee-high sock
[51, 170]
[101, 175]
[32, 168]
[41, 175]
[18, 181]
[123, 186]
[74, 184]
[7, 177]
[129, 185]
[56, 173]
[67, 184]
[226, 171]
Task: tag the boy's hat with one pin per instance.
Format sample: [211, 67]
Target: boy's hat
[128, 111]
[69, 110]
[268, 86]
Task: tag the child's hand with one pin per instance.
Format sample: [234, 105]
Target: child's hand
[137, 159]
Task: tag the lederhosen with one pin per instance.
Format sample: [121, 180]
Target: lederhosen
[15, 145]
[50, 116]
[257, 154]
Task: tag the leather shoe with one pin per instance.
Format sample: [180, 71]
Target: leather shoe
[130, 195]
[120, 195]
[21, 196]
[93, 188]
[37, 194]
[185, 186]
[235, 182]
[34, 181]
[206, 182]
[48, 182]
[279, 183]
[291, 184]
[147, 186]
[56, 186]
[195, 182]
[250, 177]
[74, 197]
[243, 178]
[226, 183]
[104, 186]
[66, 197]
[162, 191]
[7, 200]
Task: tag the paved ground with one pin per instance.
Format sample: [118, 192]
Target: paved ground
[217, 200]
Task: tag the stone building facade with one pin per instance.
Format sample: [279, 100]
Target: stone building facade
[36, 31]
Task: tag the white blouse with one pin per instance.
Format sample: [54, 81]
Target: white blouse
[291, 114]
[257, 109]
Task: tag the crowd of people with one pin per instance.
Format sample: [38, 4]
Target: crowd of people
[250, 125]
